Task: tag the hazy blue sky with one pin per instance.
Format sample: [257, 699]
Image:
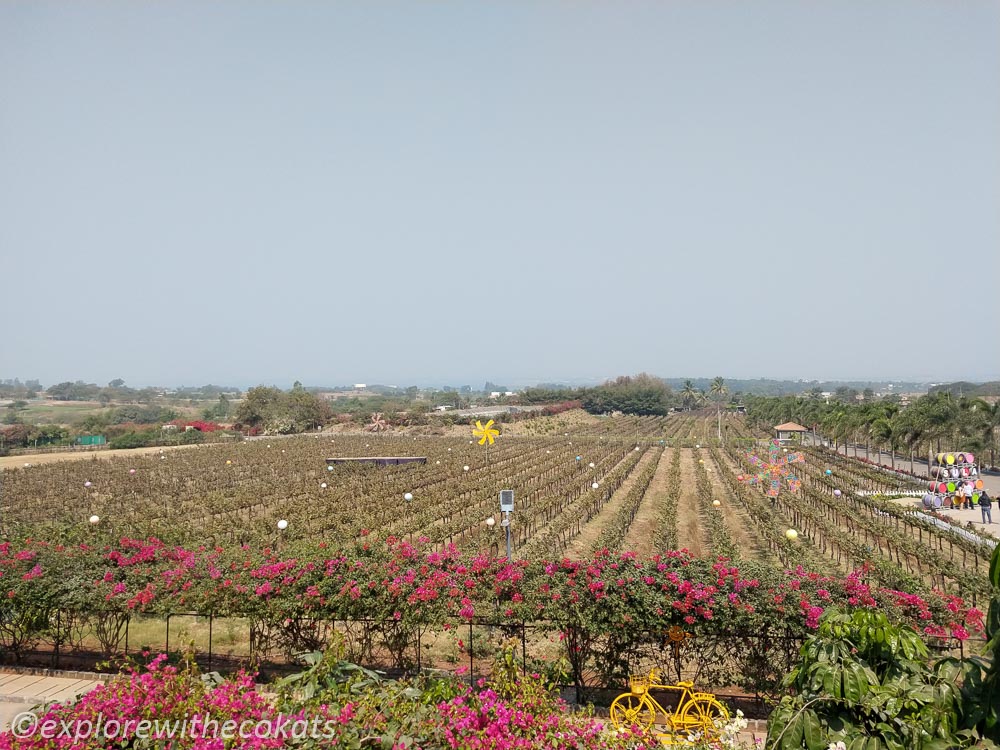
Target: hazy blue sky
[410, 192]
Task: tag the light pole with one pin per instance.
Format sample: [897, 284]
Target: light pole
[408, 497]
[507, 507]
[282, 525]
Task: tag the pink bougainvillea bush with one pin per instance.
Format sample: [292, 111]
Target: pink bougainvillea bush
[162, 706]
[393, 579]
[602, 609]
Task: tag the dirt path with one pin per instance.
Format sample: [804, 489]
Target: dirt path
[738, 520]
[640, 534]
[11, 462]
[581, 544]
[690, 534]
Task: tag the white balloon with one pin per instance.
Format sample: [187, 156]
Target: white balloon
[94, 519]
[490, 521]
[282, 524]
[323, 486]
[408, 496]
[465, 468]
[595, 485]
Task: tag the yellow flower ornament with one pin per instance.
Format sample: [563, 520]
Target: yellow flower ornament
[486, 433]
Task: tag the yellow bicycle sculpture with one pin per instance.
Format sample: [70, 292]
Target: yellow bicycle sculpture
[696, 712]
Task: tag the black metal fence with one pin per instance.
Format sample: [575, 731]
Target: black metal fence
[745, 668]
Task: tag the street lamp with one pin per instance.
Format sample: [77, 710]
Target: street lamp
[506, 507]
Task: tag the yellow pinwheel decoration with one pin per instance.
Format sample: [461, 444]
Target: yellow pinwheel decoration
[486, 433]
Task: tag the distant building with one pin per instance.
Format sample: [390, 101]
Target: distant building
[359, 386]
[788, 431]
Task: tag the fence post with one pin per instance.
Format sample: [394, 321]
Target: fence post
[472, 667]
[58, 636]
[524, 648]
[419, 635]
[210, 619]
[128, 622]
[166, 646]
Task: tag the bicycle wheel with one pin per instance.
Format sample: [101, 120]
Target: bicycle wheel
[632, 710]
[700, 715]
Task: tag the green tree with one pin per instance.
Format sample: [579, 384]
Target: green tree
[640, 394]
[689, 394]
[866, 682]
[305, 409]
[719, 389]
[980, 703]
[259, 406]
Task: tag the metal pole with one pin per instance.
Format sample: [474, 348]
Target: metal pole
[507, 529]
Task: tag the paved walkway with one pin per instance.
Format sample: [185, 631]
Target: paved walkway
[19, 691]
[990, 481]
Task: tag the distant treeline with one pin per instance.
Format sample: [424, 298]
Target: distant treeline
[970, 390]
[116, 390]
[641, 394]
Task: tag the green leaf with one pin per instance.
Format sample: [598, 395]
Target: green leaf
[812, 732]
[792, 739]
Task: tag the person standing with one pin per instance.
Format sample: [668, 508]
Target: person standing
[986, 506]
[967, 495]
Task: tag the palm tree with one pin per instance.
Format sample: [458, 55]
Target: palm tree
[689, 395]
[990, 427]
[719, 387]
[883, 432]
[719, 390]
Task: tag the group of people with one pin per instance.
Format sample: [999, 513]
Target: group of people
[985, 502]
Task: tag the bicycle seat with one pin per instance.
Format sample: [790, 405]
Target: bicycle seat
[685, 684]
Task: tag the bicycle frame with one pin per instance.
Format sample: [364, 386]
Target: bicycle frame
[696, 711]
